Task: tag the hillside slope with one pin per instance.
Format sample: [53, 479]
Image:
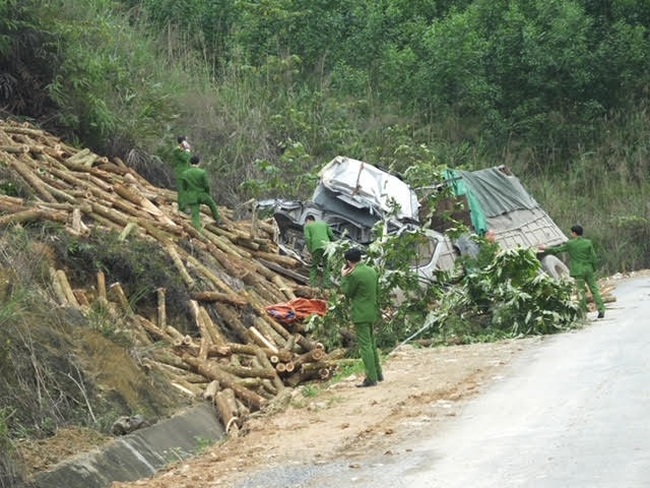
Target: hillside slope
[182, 308]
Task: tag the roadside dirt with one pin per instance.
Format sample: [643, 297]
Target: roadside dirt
[343, 421]
[339, 421]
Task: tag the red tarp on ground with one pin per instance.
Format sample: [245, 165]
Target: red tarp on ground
[297, 310]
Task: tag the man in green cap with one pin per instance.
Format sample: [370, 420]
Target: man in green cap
[582, 266]
[317, 234]
[195, 188]
[360, 284]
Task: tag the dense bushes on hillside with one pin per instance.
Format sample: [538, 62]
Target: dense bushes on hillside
[265, 88]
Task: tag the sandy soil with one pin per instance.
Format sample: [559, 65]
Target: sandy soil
[342, 421]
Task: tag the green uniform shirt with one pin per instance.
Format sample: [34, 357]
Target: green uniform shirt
[581, 254]
[317, 235]
[180, 162]
[361, 288]
[194, 183]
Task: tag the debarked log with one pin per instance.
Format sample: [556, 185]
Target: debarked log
[215, 296]
[332, 365]
[188, 388]
[215, 333]
[153, 330]
[162, 308]
[257, 337]
[173, 254]
[33, 215]
[290, 274]
[57, 288]
[11, 204]
[301, 377]
[206, 341]
[227, 413]
[244, 372]
[211, 391]
[312, 356]
[285, 261]
[212, 371]
[173, 372]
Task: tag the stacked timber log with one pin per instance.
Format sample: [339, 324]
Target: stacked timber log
[239, 357]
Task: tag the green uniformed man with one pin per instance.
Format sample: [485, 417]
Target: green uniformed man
[180, 162]
[317, 235]
[196, 190]
[582, 266]
[360, 284]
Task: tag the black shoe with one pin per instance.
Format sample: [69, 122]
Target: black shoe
[366, 383]
[601, 315]
[380, 377]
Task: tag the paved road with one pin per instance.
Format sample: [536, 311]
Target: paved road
[573, 413]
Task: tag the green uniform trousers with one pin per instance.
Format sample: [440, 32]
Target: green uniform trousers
[195, 209]
[318, 261]
[368, 350]
[590, 280]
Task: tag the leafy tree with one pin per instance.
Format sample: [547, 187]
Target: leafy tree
[205, 26]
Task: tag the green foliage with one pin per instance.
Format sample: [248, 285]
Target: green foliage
[510, 297]
[273, 177]
[263, 88]
[204, 25]
[203, 444]
[504, 295]
[8, 188]
[108, 84]
[310, 391]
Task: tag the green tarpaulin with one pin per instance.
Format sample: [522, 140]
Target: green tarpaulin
[490, 192]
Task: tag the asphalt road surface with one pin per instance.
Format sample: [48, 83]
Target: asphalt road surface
[572, 413]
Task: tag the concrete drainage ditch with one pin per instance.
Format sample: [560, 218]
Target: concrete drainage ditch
[140, 454]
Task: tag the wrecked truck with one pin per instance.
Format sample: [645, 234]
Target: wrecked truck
[352, 196]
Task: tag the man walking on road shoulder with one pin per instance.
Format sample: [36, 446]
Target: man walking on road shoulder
[581, 267]
[317, 235]
[360, 284]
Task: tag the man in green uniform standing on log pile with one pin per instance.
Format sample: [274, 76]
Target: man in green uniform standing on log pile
[317, 235]
[360, 284]
[195, 190]
[180, 162]
[582, 266]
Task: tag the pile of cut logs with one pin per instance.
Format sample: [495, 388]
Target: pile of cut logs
[239, 357]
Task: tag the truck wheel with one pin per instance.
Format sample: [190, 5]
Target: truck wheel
[554, 267]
